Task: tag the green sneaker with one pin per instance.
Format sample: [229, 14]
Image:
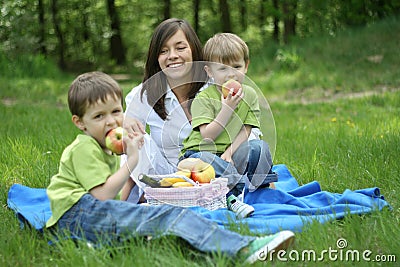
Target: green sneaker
[262, 246]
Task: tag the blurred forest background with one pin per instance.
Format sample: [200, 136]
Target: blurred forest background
[113, 35]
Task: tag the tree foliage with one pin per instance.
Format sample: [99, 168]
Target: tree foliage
[83, 34]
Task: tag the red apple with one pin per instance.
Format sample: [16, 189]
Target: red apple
[228, 85]
[114, 140]
[202, 172]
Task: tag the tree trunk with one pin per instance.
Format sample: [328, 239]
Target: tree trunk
[59, 34]
[117, 48]
[42, 46]
[275, 34]
[85, 21]
[225, 16]
[289, 19]
[243, 14]
[167, 9]
[196, 7]
[262, 18]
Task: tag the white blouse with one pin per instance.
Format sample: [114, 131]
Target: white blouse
[168, 135]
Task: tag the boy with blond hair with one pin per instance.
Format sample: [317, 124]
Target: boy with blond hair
[222, 123]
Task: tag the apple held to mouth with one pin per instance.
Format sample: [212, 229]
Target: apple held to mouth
[114, 140]
[228, 85]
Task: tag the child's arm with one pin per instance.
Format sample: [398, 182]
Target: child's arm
[126, 189]
[242, 136]
[116, 181]
[213, 129]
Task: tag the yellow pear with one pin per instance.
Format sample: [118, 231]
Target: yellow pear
[188, 163]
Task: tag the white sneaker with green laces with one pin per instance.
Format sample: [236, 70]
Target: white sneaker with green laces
[262, 246]
[241, 209]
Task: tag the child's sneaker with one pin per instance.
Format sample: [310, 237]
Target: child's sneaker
[241, 209]
[263, 246]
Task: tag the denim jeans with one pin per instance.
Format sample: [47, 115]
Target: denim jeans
[113, 220]
[252, 163]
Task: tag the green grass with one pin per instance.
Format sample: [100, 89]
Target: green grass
[343, 143]
[352, 61]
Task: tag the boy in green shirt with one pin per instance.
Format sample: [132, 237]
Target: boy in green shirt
[82, 194]
[222, 123]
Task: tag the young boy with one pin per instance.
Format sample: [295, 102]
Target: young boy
[222, 124]
[89, 178]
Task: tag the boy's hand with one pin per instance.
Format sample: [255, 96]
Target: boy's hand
[227, 156]
[133, 142]
[231, 100]
[137, 138]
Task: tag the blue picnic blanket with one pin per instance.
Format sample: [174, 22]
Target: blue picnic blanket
[288, 207]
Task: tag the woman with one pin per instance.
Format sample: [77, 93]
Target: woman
[174, 74]
[162, 100]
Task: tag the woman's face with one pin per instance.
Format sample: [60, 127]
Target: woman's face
[175, 57]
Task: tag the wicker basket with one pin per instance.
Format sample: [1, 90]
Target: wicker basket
[211, 196]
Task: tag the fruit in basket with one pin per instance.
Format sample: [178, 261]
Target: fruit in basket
[199, 170]
[168, 182]
[149, 181]
[182, 184]
[228, 85]
[203, 172]
[186, 173]
[114, 140]
[187, 164]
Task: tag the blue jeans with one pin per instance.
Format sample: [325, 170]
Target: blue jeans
[252, 163]
[113, 220]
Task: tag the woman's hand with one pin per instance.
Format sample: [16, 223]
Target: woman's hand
[133, 125]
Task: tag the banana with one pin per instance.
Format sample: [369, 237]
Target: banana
[182, 184]
[167, 182]
[186, 173]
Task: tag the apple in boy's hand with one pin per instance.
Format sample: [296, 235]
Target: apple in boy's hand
[114, 140]
[228, 85]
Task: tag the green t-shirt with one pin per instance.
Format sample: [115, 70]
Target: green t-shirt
[83, 166]
[206, 106]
